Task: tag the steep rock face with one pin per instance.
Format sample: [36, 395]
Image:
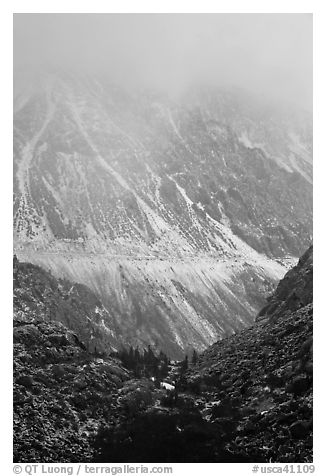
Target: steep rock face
[94, 162]
[167, 209]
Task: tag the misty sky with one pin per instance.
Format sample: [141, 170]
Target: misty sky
[267, 53]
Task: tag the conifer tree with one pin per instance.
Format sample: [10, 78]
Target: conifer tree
[194, 357]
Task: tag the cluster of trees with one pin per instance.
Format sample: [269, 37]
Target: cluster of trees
[145, 363]
[184, 364]
[152, 364]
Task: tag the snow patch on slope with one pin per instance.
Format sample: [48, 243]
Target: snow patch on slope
[29, 149]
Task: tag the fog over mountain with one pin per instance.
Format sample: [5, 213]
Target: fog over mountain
[162, 198]
[270, 54]
[165, 162]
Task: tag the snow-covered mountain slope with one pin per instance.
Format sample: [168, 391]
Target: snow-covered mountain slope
[179, 214]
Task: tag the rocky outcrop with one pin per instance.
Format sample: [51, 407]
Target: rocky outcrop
[294, 291]
[61, 393]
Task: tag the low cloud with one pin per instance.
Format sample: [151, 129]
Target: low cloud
[267, 53]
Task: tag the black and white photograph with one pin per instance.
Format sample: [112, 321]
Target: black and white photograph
[162, 241]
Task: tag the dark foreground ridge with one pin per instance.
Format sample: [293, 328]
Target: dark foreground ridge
[260, 380]
[60, 393]
[246, 398]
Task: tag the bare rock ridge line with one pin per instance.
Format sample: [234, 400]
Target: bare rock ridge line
[180, 215]
[294, 291]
